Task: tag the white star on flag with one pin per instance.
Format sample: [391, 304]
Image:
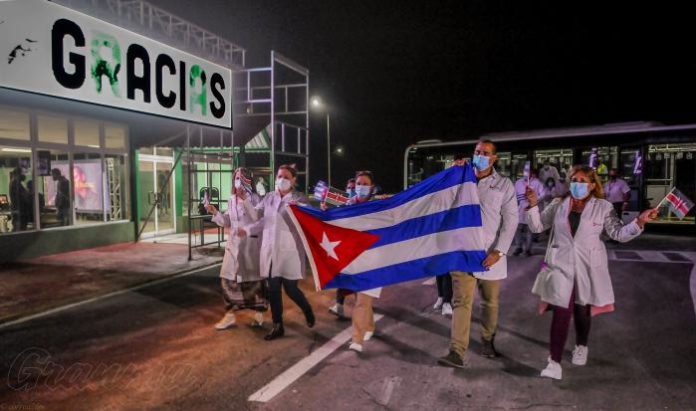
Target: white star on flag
[329, 246]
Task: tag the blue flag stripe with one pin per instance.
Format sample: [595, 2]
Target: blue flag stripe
[461, 217]
[438, 182]
[468, 261]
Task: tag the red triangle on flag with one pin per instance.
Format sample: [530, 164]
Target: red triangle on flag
[332, 248]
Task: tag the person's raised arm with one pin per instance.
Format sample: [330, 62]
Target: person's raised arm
[540, 221]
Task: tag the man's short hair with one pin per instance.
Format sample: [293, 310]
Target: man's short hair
[487, 141]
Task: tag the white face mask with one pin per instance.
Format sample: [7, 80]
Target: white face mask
[237, 183]
[363, 191]
[283, 184]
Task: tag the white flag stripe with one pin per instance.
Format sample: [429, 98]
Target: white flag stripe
[462, 239]
[443, 200]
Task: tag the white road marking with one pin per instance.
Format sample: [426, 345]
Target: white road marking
[429, 281]
[103, 297]
[292, 374]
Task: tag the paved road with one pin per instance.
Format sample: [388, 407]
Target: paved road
[155, 348]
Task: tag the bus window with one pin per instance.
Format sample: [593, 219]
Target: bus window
[561, 158]
[503, 165]
[608, 159]
[668, 166]
[517, 166]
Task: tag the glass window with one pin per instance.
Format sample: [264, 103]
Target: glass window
[88, 188]
[16, 190]
[52, 129]
[561, 159]
[114, 136]
[86, 133]
[14, 124]
[601, 159]
[504, 164]
[164, 151]
[670, 166]
[53, 174]
[115, 190]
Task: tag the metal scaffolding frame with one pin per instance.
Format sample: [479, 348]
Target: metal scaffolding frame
[220, 153]
[159, 24]
[275, 99]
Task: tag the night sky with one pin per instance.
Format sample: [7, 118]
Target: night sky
[398, 72]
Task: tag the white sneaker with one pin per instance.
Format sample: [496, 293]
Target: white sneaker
[368, 335]
[438, 304]
[355, 347]
[447, 309]
[580, 355]
[227, 321]
[552, 370]
[258, 319]
[337, 309]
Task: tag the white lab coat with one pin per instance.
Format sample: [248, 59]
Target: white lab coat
[282, 253]
[579, 260]
[241, 260]
[499, 218]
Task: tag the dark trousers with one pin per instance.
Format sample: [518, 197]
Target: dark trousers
[64, 216]
[561, 323]
[444, 287]
[276, 297]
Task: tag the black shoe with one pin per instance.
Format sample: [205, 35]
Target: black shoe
[277, 332]
[517, 252]
[528, 253]
[309, 316]
[452, 360]
[488, 348]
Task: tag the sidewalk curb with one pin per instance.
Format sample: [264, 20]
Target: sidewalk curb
[138, 286]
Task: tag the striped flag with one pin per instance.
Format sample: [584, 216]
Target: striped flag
[327, 194]
[678, 203]
[431, 228]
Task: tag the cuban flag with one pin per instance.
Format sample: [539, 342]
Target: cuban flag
[432, 228]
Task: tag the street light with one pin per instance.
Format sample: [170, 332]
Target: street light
[319, 106]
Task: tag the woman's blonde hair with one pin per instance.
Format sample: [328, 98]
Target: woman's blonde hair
[591, 173]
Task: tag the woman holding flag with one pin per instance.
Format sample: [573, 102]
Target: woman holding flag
[575, 281]
[282, 258]
[241, 284]
[363, 316]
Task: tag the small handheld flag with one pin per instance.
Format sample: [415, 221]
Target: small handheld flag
[677, 202]
[525, 173]
[327, 194]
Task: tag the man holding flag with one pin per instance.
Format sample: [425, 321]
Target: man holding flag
[499, 217]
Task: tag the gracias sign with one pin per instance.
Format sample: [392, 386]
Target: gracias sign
[57, 51]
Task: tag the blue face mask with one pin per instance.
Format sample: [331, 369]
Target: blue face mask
[350, 192]
[481, 162]
[579, 190]
[363, 191]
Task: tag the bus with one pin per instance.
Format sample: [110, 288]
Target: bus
[651, 157]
